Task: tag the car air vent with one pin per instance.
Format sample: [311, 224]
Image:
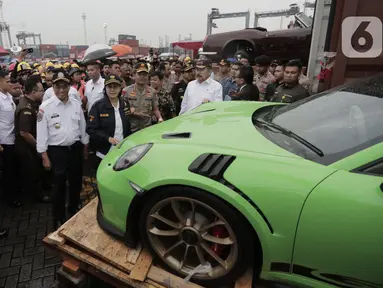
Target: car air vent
[184, 135]
[211, 165]
[208, 110]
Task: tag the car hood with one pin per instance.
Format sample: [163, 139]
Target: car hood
[221, 125]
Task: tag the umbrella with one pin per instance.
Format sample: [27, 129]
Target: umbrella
[98, 52]
[3, 52]
[122, 50]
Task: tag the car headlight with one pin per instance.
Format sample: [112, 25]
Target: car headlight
[131, 157]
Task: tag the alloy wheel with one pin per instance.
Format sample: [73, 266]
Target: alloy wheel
[186, 233]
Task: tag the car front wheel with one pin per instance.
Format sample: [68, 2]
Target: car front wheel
[188, 229]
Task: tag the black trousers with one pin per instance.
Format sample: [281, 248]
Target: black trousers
[31, 169]
[67, 162]
[10, 186]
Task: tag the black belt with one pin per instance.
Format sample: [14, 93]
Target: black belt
[69, 147]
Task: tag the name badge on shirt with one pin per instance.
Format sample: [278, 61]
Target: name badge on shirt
[104, 115]
[55, 115]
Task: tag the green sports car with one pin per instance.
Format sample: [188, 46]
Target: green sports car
[293, 190]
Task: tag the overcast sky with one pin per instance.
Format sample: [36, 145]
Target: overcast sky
[60, 21]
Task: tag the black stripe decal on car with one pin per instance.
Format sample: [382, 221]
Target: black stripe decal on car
[213, 166]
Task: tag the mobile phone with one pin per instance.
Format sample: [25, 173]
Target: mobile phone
[28, 50]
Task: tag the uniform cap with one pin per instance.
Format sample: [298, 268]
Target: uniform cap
[142, 67]
[60, 75]
[73, 70]
[202, 64]
[112, 79]
[187, 67]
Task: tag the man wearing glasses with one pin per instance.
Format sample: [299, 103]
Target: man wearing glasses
[202, 90]
[25, 143]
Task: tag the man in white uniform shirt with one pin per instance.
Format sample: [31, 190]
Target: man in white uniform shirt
[94, 89]
[61, 136]
[73, 93]
[7, 141]
[202, 90]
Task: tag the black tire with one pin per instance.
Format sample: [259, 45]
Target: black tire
[246, 241]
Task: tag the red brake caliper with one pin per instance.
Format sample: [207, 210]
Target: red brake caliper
[219, 232]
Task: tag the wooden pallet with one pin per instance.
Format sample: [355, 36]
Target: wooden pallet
[84, 242]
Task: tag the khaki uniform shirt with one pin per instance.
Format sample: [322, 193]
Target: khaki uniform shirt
[144, 101]
[287, 94]
[261, 81]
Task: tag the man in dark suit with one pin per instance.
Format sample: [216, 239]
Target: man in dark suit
[247, 90]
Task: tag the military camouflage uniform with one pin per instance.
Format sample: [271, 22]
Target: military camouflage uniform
[165, 104]
[167, 84]
[144, 101]
[261, 81]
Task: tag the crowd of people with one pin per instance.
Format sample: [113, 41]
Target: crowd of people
[53, 116]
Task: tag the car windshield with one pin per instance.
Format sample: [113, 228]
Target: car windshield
[337, 123]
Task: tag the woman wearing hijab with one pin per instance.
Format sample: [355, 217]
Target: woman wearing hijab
[108, 122]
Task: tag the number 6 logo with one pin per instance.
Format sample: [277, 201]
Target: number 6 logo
[362, 37]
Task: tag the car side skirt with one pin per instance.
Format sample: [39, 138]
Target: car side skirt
[313, 276]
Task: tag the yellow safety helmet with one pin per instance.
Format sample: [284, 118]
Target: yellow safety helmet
[23, 66]
[74, 65]
[49, 64]
[66, 65]
[58, 66]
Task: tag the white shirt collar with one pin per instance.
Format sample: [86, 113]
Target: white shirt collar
[5, 95]
[208, 81]
[98, 82]
[57, 101]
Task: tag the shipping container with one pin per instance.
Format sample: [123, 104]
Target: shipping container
[63, 52]
[144, 50]
[48, 48]
[135, 50]
[32, 46]
[60, 46]
[123, 37]
[131, 43]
